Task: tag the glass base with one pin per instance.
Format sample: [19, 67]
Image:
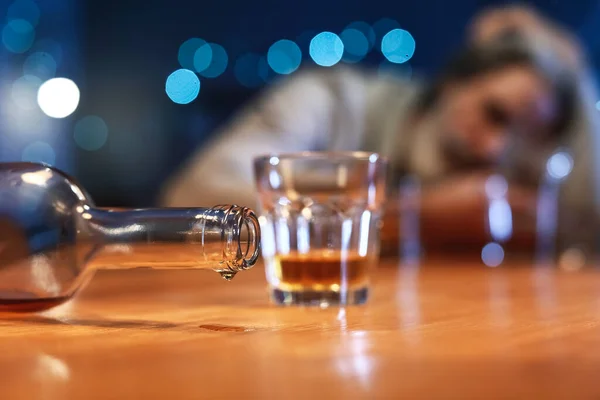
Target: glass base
[321, 299]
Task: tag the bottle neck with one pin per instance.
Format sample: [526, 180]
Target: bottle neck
[222, 238]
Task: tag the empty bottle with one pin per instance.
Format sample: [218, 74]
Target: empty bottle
[52, 238]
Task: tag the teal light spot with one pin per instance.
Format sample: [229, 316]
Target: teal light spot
[90, 133]
[218, 63]
[182, 86]
[40, 152]
[356, 45]
[398, 46]
[187, 50]
[18, 36]
[326, 49]
[203, 57]
[366, 30]
[24, 9]
[284, 57]
[40, 64]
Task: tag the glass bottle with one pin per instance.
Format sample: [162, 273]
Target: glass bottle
[52, 238]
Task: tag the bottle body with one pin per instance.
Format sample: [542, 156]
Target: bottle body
[52, 238]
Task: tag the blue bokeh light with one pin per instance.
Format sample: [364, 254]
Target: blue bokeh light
[18, 36]
[203, 57]
[326, 49]
[398, 46]
[51, 47]
[284, 56]
[598, 106]
[24, 9]
[492, 254]
[182, 86]
[218, 63]
[246, 70]
[383, 26]
[404, 71]
[24, 92]
[559, 165]
[39, 152]
[90, 133]
[40, 64]
[187, 50]
[366, 30]
[356, 45]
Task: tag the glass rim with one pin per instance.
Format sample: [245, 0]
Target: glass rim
[371, 157]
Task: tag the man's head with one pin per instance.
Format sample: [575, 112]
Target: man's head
[496, 92]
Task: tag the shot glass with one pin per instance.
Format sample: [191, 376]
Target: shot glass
[320, 220]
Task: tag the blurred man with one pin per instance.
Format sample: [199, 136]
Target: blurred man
[518, 85]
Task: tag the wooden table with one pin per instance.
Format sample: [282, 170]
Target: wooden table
[444, 330]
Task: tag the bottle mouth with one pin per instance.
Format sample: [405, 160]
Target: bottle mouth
[242, 246]
[249, 240]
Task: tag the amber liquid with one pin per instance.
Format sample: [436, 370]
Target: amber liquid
[321, 270]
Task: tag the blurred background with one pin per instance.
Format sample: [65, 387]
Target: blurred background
[120, 93]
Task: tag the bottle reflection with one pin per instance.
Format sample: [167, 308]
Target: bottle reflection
[408, 297]
[558, 168]
[500, 223]
[410, 197]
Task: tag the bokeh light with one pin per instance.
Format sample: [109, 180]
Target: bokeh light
[326, 49]
[218, 62]
[51, 47]
[398, 46]
[284, 56]
[356, 45]
[246, 70]
[598, 106]
[24, 9]
[559, 165]
[40, 64]
[366, 30]
[182, 86]
[203, 57]
[18, 36]
[40, 152]
[403, 71]
[58, 97]
[492, 254]
[24, 92]
[383, 26]
[187, 51]
[90, 133]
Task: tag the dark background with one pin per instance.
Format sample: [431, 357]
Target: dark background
[120, 53]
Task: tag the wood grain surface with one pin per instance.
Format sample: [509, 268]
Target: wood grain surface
[446, 329]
